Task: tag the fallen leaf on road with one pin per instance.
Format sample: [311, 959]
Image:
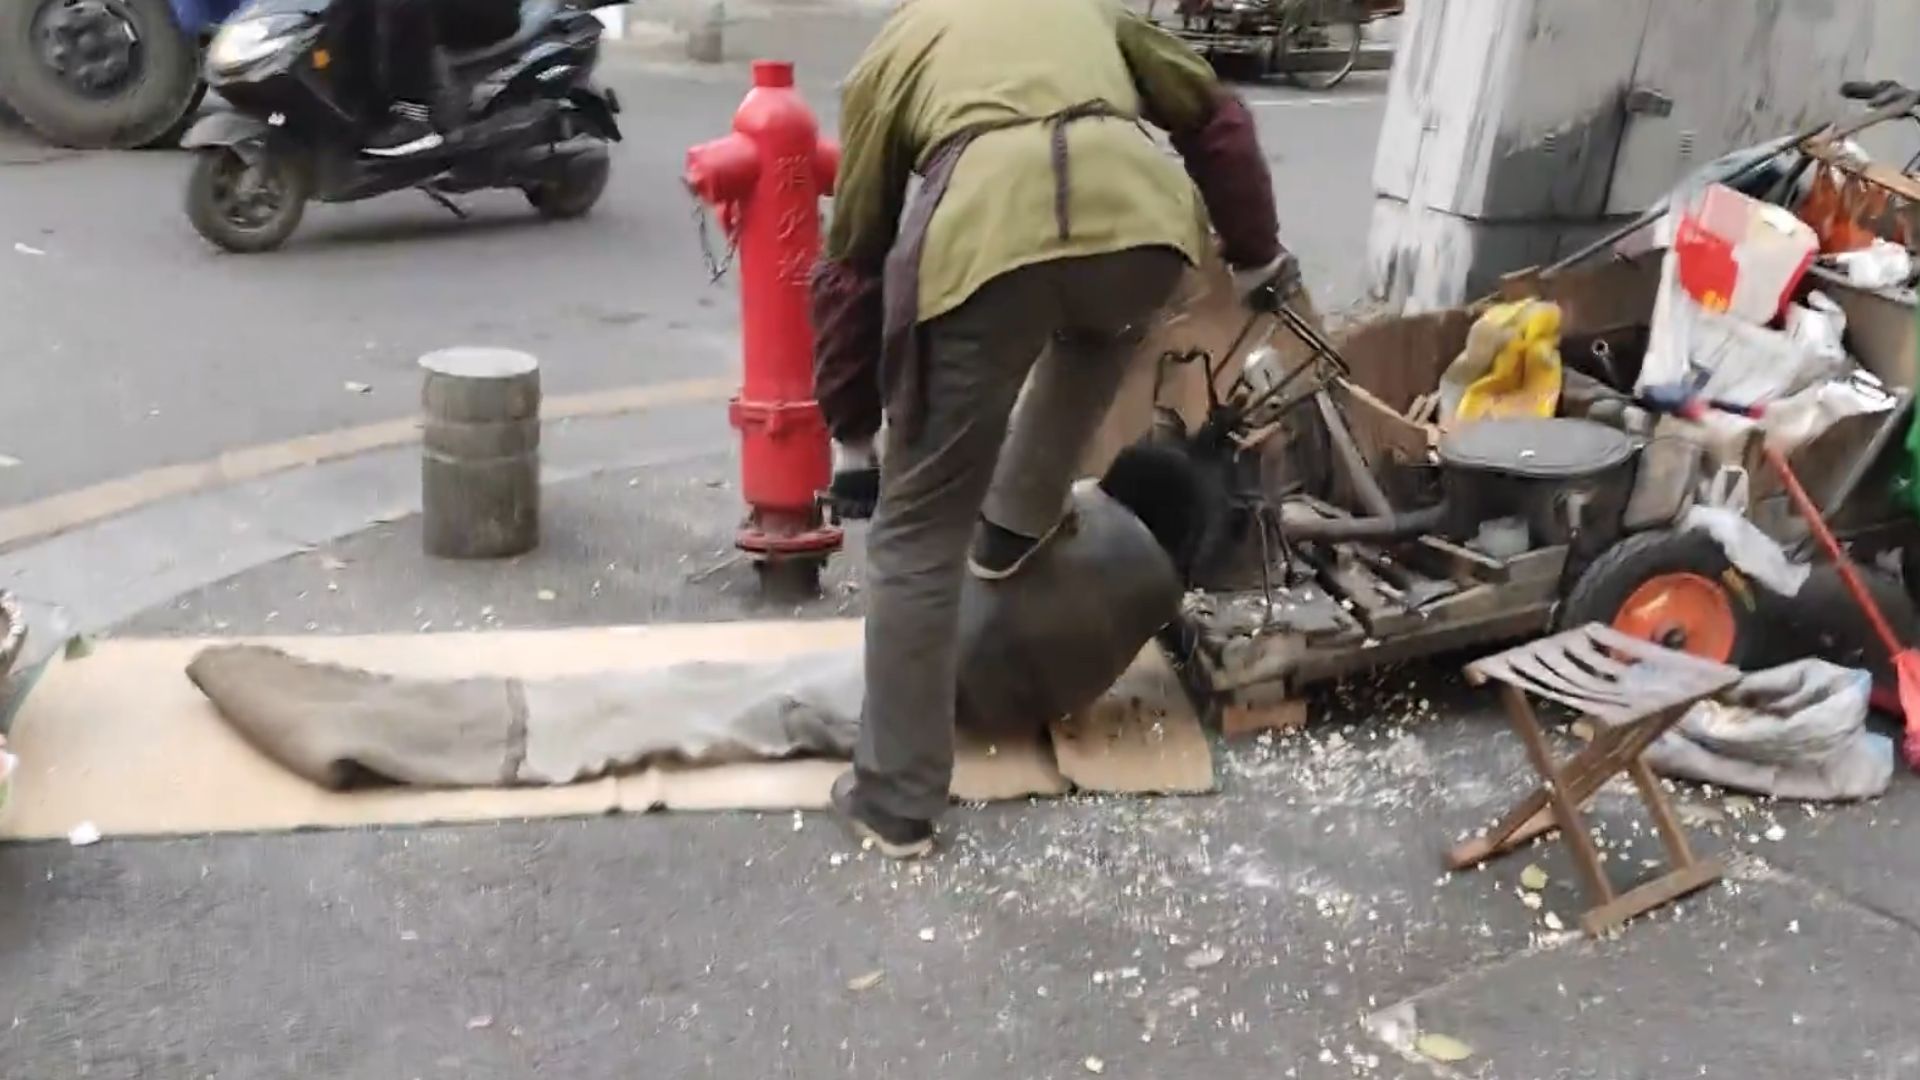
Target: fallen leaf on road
[1203, 958]
[1094, 1065]
[27, 249]
[1442, 1048]
[860, 983]
[358, 387]
[1533, 878]
[83, 834]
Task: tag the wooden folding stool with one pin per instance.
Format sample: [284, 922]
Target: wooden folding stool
[1634, 691]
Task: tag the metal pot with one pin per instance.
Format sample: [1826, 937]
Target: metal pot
[1567, 480]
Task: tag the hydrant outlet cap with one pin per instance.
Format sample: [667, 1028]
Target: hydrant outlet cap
[774, 74]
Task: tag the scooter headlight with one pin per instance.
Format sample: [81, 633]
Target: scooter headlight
[249, 41]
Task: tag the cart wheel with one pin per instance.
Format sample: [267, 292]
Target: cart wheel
[1338, 41]
[1675, 589]
[789, 579]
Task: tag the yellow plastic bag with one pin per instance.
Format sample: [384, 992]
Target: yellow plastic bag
[1510, 367]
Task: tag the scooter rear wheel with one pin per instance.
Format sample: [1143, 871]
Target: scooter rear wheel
[575, 192]
[245, 206]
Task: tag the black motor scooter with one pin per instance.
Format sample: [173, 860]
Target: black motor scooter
[296, 75]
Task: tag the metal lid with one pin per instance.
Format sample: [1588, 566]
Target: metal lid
[1539, 449]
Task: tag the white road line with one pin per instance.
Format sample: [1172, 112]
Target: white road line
[1305, 102]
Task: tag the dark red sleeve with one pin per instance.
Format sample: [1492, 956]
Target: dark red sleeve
[1223, 156]
[848, 317]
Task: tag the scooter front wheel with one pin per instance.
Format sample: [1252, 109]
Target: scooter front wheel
[246, 206]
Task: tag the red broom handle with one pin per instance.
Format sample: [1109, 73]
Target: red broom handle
[1827, 540]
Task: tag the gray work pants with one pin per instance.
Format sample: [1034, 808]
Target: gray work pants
[1086, 315]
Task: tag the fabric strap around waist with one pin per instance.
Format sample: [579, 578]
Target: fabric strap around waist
[902, 384]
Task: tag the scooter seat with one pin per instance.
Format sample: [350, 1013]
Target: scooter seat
[534, 17]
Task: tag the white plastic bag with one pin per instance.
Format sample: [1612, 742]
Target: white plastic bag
[1726, 357]
[1881, 266]
[1799, 418]
[1756, 554]
[1820, 326]
[1794, 732]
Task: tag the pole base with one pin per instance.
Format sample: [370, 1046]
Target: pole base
[789, 551]
[774, 536]
[790, 580]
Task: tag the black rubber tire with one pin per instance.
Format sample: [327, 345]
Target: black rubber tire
[1612, 578]
[141, 115]
[575, 195]
[1322, 80]
[218, 229]
[170, 138]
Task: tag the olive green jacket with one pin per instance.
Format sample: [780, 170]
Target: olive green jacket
[940, 67]
[994, 71]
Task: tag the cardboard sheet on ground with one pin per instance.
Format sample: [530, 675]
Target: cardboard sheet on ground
[123, 740]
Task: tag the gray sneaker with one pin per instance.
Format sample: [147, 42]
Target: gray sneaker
[894, 837]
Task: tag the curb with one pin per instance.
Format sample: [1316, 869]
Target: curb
[101, 574]
[49, 517]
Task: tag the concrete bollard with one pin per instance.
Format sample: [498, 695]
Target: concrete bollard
[480, 465]
[706, 38]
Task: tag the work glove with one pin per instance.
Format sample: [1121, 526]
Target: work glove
[855, 489]
[1265, 288]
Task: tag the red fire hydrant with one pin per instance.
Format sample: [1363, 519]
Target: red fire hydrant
[766, 180]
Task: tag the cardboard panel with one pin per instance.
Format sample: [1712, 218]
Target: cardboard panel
[122, 740]
[1396, 359]
[1142, 737]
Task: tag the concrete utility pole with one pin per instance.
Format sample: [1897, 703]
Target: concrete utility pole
[1516, 131]
[480, 464]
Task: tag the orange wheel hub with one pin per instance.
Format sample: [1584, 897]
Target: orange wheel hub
[1687, 612]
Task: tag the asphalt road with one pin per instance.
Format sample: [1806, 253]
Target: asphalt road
[1287, 927]
[127, 343]
[1282, 928]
